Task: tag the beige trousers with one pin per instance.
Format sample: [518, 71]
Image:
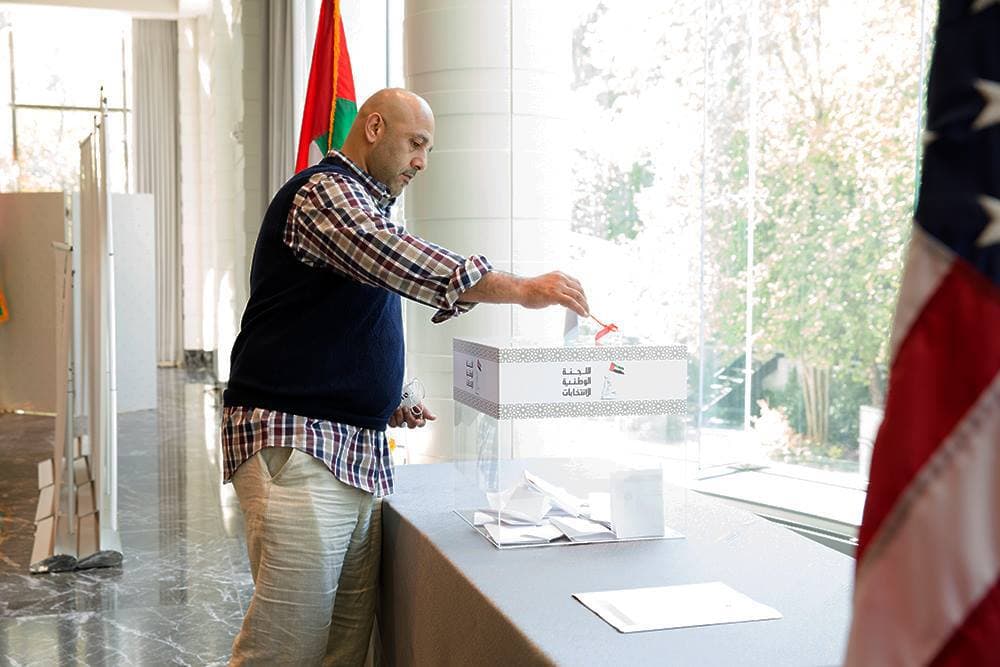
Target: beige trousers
[314, 545]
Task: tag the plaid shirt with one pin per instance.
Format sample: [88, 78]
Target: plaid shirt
[343, 224]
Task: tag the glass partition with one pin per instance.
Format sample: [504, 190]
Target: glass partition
[742, 179]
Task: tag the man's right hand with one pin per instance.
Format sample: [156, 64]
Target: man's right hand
[555, 289]
[550, 289]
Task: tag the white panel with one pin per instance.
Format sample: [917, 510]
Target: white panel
[135, 301]
[29, 223]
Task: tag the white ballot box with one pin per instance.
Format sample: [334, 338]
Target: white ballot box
[539, 447]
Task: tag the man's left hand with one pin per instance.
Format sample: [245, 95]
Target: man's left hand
[409, 418]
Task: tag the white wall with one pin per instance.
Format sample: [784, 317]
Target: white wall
[29, 223]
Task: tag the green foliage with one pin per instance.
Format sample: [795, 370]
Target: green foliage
[833, 204]
[846, 396]
[829, 95]
[606, 201]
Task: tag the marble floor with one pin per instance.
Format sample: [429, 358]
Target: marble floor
[181, 592]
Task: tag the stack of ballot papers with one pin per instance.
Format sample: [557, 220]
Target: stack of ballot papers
[538, 512]
[578, 529]
[505, 529]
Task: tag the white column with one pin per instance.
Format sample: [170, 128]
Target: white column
[457, 54]
[213, 193]
[189, 129]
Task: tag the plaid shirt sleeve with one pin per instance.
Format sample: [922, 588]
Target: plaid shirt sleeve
[334, 223]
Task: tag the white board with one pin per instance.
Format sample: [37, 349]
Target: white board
[132, 217]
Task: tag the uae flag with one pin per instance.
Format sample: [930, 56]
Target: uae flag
[330, 103]
[927, 583]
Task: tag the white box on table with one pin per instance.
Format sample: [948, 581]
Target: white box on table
[536, 425]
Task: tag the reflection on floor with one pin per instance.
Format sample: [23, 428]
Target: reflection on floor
[181, 593]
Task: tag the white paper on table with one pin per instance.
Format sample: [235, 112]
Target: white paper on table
[561, 498]
[520, 503]
[665, 607]
[599, 507]
[483, 517]
[581, 530]
[637, 503]
[504, 535]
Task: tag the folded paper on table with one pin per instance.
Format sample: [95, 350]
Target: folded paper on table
[483, 517]
[665, 607]
[581, 530]
[522, 534]
[521, 502]
[599, 507]
[557, 495]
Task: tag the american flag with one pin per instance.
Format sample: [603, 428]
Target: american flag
[927, 584]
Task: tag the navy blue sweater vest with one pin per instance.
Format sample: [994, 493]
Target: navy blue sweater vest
[312, 342]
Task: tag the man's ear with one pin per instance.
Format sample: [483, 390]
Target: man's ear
[374, 125]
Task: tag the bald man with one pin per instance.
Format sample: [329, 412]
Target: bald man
[316, 377]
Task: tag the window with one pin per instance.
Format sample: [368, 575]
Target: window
[744, 178]
[53, 65]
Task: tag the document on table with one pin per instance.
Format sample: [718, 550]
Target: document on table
[510, 535]
[665, 607]
[520, 503]
[582, 530]
[599, 507]
[561, 498]
[483, 517]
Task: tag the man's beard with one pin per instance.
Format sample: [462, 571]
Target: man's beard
[381, 170]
